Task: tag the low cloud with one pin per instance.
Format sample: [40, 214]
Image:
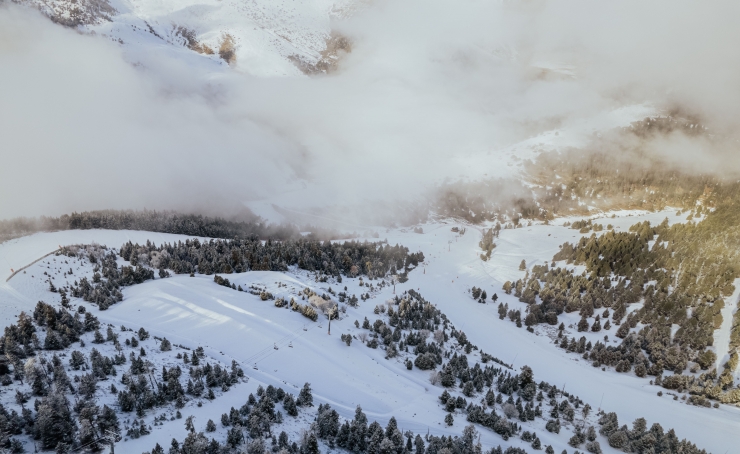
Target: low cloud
[432, 90]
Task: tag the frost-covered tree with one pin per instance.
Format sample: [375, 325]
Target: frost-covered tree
[305, 398]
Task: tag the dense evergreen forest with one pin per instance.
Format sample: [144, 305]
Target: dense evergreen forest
[350, 258]
[151, 221]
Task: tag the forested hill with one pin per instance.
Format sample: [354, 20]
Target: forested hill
[152, 221]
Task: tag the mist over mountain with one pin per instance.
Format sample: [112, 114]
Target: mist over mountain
[427, 92]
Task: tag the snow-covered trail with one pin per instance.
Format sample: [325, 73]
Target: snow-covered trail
[723, 334]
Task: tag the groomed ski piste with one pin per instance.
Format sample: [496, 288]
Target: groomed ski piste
[279, 347]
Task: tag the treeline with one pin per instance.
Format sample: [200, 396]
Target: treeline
[412, 327]
[258, 416]
[151, 221]
[329, 259]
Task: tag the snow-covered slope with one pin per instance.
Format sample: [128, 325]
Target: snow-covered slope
[239, 326]
[258, 37]
[21, 252]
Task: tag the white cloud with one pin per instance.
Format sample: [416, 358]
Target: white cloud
[429, 86]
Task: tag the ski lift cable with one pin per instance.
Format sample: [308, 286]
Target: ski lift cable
[105, 438]
[266, 352]
[258, 353]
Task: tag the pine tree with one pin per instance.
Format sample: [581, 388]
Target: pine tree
[305, 398]
[99, 339]
[391, 427]
[54, 423]
[234, 437]
[165, 346]
[87, 435]
[596, 327]
[143, 334]
[283, 440]
[290, 405]
[108, 420]
[419, 444]
[312, 445]
[189, 424]
[507, 287]
[536, 444]
[449, 420]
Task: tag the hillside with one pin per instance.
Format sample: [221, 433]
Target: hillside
[280, 347]
[261, 38]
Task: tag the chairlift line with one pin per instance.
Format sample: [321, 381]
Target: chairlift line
[265, 352]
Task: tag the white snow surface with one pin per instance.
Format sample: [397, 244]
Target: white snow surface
[722, 335]
[266, 32]
[239, 326]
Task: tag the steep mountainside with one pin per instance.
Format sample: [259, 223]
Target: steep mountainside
[258, 37]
